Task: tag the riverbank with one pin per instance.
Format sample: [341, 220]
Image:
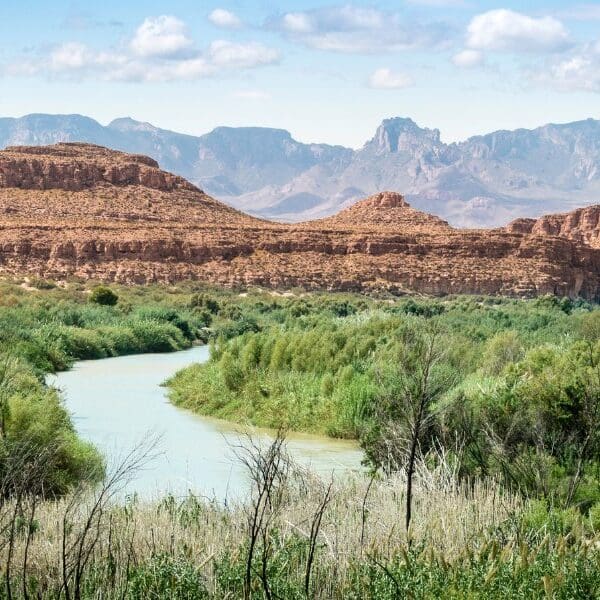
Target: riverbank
[484, 371]
[44, 328]
[500, 506]
[116, 402]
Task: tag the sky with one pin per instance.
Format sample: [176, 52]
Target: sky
[325, 72]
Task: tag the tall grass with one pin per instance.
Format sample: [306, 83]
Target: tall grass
[465, 540]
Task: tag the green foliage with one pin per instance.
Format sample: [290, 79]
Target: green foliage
[516, 379]
[204, 301]
[104, 296]
[513, 397]
[166, 576]
[533, 570]
[537, 423]
[519, 376]
[46, 331]
[525, 574]
[36, 421]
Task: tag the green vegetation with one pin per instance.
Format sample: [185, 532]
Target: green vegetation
[104, 296]
[479, 418]
[512, 387]
[297, 537]
[43, 329]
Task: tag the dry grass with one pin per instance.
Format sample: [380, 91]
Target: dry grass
[363, 518]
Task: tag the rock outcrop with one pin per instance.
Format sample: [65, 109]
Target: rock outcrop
[77, 167]
[85, 211]
[581, 225]
[386, 210]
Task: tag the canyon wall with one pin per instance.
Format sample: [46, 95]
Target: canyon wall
[85, 211]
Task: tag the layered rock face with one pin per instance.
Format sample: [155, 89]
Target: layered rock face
[81, 210]
[581, 225]
[77, 167]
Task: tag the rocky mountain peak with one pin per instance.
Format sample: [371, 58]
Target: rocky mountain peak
[402, 134]
[389, 210]
[483, 181]
[385, 200]
[127, 124]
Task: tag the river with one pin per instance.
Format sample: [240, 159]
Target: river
[117, 402]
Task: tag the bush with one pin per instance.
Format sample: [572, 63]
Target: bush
[153, 336]
[104, 296]
[38, 421]
[165, 315]
[203, 301]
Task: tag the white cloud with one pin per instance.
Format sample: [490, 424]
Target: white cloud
[159, 51]
[386, 79]
[161, 36]
[297, 23]
[467, 59]
[353, 29]
[242, 56]
[579, 71]
[71, 59]
[511, 31]
[71, 55]
[225, 19]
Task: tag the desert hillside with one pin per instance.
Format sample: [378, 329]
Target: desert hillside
[83, 210]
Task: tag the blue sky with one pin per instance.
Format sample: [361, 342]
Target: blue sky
[326, 72]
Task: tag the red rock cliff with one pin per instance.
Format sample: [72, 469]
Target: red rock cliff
[77, 209]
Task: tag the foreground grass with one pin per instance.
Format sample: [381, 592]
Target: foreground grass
[466, 541]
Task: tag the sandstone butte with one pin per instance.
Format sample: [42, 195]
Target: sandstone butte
[86, 211]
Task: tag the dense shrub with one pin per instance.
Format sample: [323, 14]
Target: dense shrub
[103, 296]
[165, 576]
[519, 379]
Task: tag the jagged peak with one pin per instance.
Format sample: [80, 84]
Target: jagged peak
[393, 133]
[400, 123]
[384, 200]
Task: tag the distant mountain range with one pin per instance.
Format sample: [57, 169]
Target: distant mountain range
[484, 181]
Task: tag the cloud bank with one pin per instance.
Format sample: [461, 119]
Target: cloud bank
[353, 29]
[161, 49]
